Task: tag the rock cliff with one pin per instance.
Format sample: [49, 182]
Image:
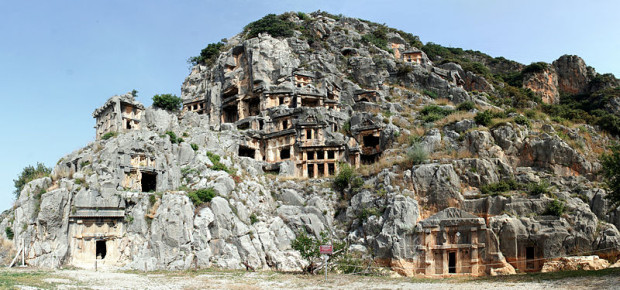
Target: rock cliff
[268, 122]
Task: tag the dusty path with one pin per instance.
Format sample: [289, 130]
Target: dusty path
[211, 279]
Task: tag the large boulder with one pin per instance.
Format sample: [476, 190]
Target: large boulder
[437, 184]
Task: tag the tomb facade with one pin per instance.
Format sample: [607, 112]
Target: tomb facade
[95, 235]
[413, 56]
[455, 242]
[119, 114]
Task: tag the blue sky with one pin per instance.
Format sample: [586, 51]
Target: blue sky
[59, 60]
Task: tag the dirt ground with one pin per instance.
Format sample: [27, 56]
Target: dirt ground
[220, 279]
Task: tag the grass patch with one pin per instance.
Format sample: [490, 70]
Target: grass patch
[10, 279]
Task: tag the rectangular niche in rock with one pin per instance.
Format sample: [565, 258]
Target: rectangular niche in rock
[100, 249]
[245, 151]
[285, 153]
[371, 141]
[452, 262]
[370, 159]
[149, 181]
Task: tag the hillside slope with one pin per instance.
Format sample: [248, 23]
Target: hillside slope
[426, 159]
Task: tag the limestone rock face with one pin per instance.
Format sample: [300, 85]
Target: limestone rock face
[573, 74]
[438, 183]
[575, 263]
[266, 126]
[545, 84]
[553, 153]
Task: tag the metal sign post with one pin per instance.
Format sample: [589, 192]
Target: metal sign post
[326, 250]
[325, 257]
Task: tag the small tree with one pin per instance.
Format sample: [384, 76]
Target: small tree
[484, 118]
[167, 102]
[416, 154]
[344, 177]
[611, 175]
[208, 55]
[555, 208]
[30, 173]
[9, 233]
[308, 247]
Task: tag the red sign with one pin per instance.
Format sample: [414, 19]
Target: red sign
[326, 249]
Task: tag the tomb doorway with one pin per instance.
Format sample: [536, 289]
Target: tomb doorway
[149, 181]
[452, 262]
[100, 249]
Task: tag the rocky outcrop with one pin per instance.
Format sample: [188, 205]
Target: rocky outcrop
[569, 75]
[573, 74]
[544, 84]
[575, 263]
[265, 128]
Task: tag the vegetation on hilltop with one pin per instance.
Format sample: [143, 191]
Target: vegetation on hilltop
[30, 173]
[168, 102]
[506, 75]
[208, 55]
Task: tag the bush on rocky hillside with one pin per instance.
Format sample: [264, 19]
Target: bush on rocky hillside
[167, 102]
[611, 173]
[208, 55]
[272, 24]
[30, 173]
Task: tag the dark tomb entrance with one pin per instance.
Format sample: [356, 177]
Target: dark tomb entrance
[371, 141]
[100, 250]
[246, 151]
[149, 181]
[285, 153]
[452, 262]
[529, 258]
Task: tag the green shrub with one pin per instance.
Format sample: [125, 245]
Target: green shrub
[167, 102]
[365, 213]
[109, 135]
[201, 196]
[357, 182]
[517, 97]
[343, 178]
[403, 70]
[414, 139]
[539, 188]
[431, 94]
[30, 173]
[276, 26]
[9, 233]
[587, 108]
[253, 218]
[535, 67]
[466, 106]
[206, 195]
[376, 39]
[152, 199]
[194, 146]
[208, 55]
[217, 165]
[611, 175]
[173, 137]
[432, 113]
[522, 120]
[484, 118]
[417, 154]
[555, 208]
[499, 187]
[303, 16]
[476, 67]
[308, 247]
[213, 157]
